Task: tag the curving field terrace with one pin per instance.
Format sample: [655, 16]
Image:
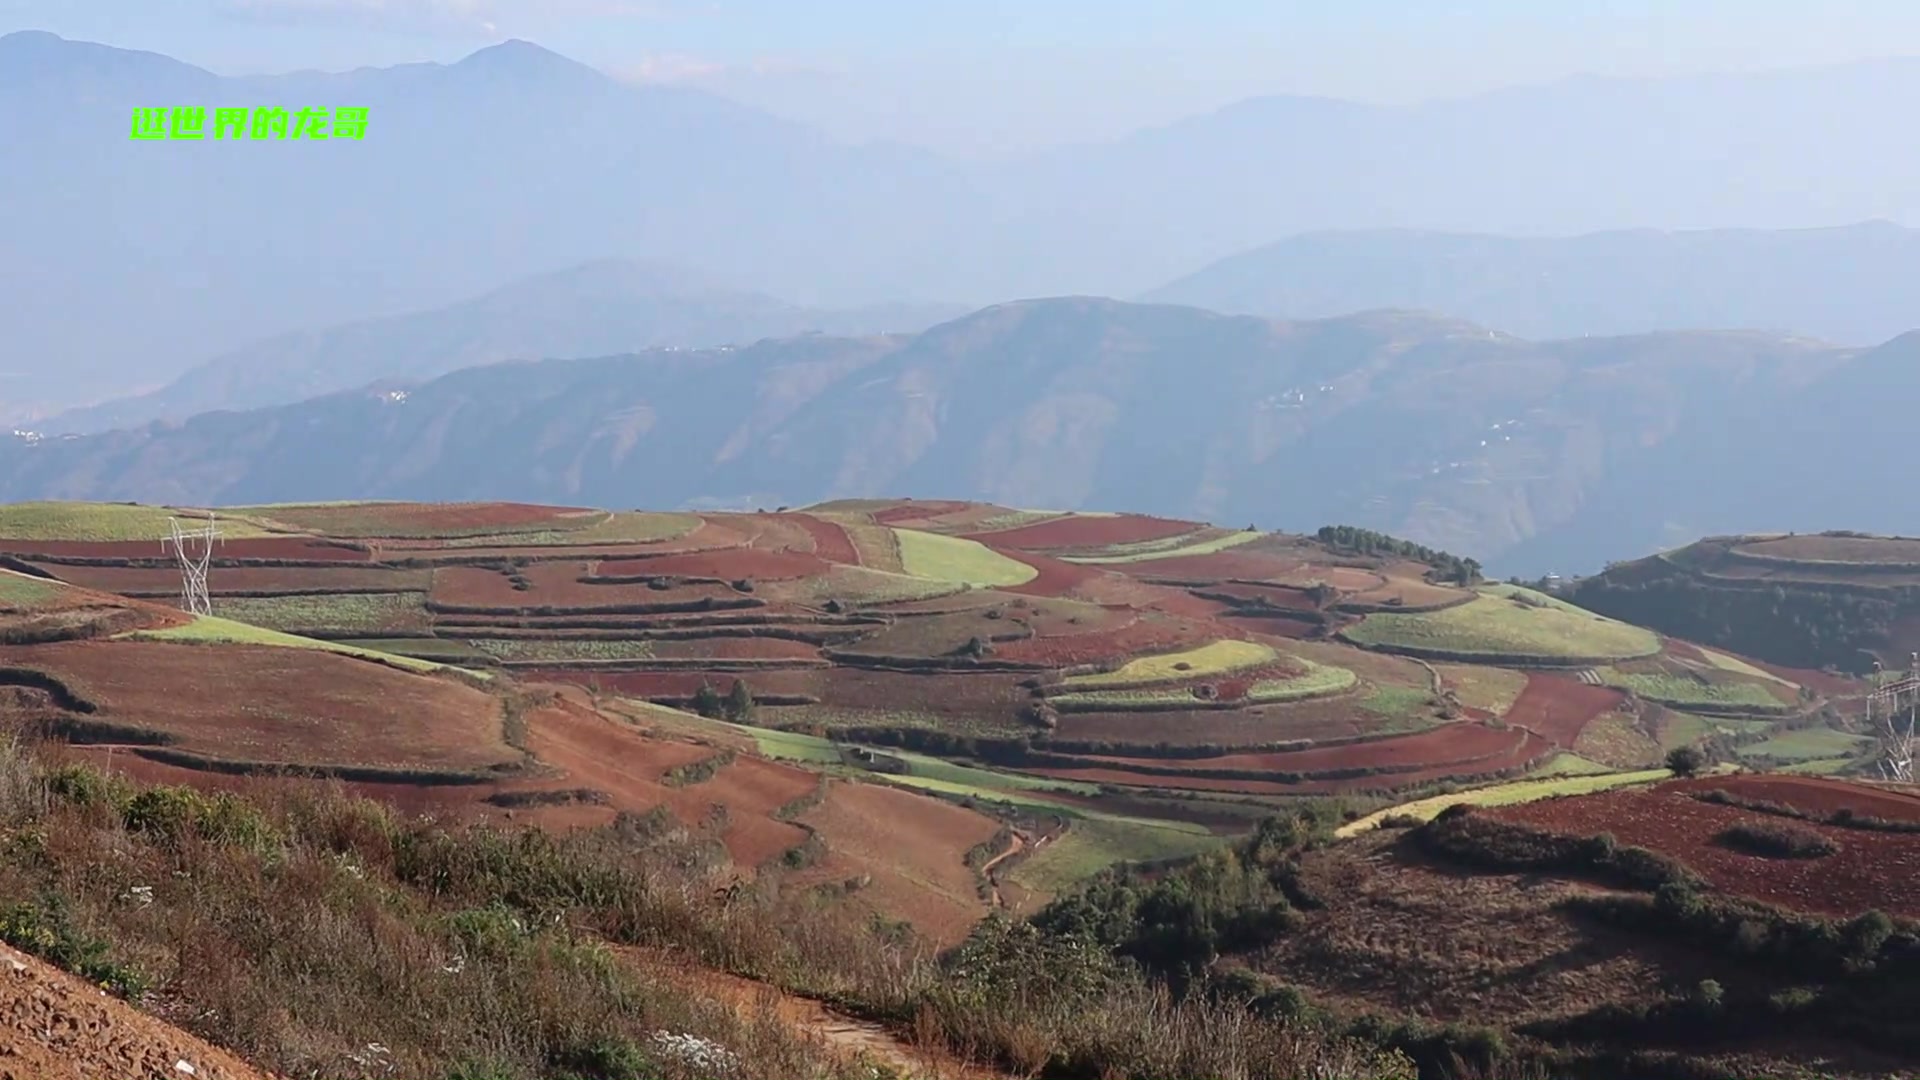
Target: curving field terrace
[1082, 531]
[1506, 625]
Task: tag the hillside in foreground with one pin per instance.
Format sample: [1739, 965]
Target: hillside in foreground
[842, 740]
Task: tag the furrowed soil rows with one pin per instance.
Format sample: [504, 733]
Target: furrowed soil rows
[918, 511]
[290, 549]
[737, 648]
[749, 563]
[165, 581]
[915, 849]
[830, 541]
[1813, 795]
[1459, 743]
[558, 584]
[1261, 724]
[680, 684]
[267, 704]
[1560, 707]
[1870, 869]
[1236, 563]
[1081, 531]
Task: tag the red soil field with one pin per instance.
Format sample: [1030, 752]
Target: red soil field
[1448, 744]
[830, 541]
[1223, 727]
[738, 648]
[914, 847]
[1077, 531]
[555, 584]
[243, 579]
[1281, 627]
[1218, 566]
[918, 511]
[263, 703]
[1559, 707]
[995, 694]
[1812, 794]
[676, 684]
[1056, 578]
[1282, 596]
[1528, 748]
[297, 548]
[1871, 869]
[422, 518]
[732, 565]
[1147, 634]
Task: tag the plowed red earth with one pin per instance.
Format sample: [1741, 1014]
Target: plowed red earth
[290, 548]
[914, 847]
[1528, 750]
[54, 1026]
[556, 584]
[1280, 596]
[897, 515]
[1559, 707]
[1273, 625]
[830, 541]
[241, 579]
[1056, 578]
[1871, 869]
[737, 648]
[676, 684]
[1076, 531]
[267, 704]
[1218, 566]
[1143, 635]
[722, 565]
[420, 518]
[1812, 794]
[1448, 744]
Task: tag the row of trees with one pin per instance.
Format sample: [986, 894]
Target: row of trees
[737, 706]
[1353, 540]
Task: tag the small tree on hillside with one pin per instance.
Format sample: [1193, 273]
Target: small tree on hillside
[706, 702]
[739, 702]
[1686, 760]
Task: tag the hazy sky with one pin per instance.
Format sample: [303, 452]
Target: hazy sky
[979, 76]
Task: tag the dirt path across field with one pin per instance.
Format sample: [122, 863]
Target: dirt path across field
[54, 1026]
[843, 1035]
[1018, 845]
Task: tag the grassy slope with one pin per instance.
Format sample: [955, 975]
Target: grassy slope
[210, 629]
[1214, 658]
[963, 562]
[1505, 620]
[1506, 794]
[104, 522]
[1204, 547]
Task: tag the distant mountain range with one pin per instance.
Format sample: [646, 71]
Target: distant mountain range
[127, 262]
[595, 309]
[1603, 283]
[1532, 456]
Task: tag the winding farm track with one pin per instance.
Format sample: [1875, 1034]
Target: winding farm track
[847, 1037]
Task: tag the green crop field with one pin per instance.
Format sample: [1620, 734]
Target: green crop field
[1518, 791]
[549, 650]
[1567, 764]
[107, 522]
[1091, 844]
[988, 782]
[1683, 691]
[963, 562]
[1396, 701]
[793, 745]
[1172, 699]
[1741, 667]
[446, 650]
[1479, 687]
[347, 613]
[1204, 547]
[1685, 729]
[1215, 658]
[212, 630]
[624, 527]
[1506, 621]
[859, 585]
[1807, 744]
[26, 591]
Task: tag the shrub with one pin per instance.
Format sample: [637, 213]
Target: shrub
[1777, 841]
[1686, 760]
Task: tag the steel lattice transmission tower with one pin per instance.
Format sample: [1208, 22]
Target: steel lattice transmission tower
[1893, 712]
[194, 552]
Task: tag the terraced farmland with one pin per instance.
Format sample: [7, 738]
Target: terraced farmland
[1121, 676]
